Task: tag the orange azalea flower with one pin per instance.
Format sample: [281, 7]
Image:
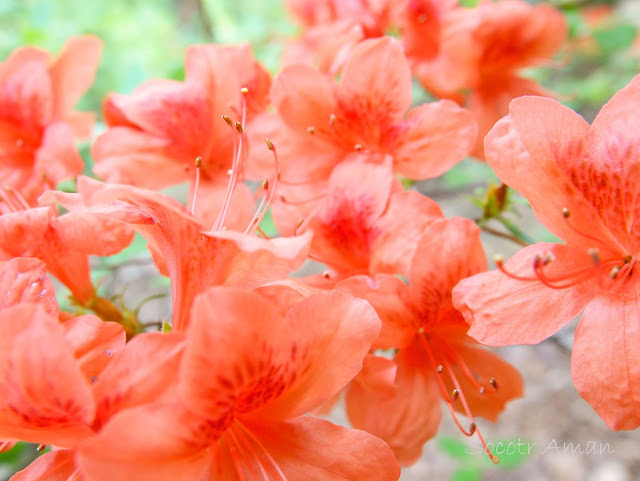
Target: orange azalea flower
[333, 28]
[325, 47]
[248, 375]
[321, 123]
[37, 123]
[421, 22]
[483, 50]
[194, 260]
[64, 243]
[45, 397]
[157, 132]
[374, 16]
[355, 228]
[435, 357]
[582, 183]
[63, 394]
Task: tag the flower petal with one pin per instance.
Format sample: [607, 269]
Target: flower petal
[377, 78]
[530, 150]
[332, 333]
[74, 71]
[26, 93]
[605, 362]
[57, 158]
[45, 397]
[24, 280]
[146, 370]
[304, 97]
[163, 441]
[127, 156]
[311, 449]
[91, 338]
[610, 179]
[438, 135]
[237, 357]
[449, 251]
[406, 418]
[389, 296]
[503, 310]
[345, 226]
[409, 213]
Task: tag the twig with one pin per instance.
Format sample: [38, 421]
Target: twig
[504, 235]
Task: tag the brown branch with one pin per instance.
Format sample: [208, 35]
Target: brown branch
[504, 235]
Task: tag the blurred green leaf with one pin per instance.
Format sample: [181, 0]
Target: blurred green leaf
[467, 474]
[469, 172]
[615, 37]
[452, 447]
[268, 226]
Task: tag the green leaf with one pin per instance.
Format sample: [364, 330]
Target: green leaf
[467, 474]
[268, 226]
[616, 37]
[468, 172]
[452, 447]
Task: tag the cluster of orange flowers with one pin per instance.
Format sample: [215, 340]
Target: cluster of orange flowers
[395, 320]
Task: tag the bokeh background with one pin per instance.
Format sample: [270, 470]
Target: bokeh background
[551, 434]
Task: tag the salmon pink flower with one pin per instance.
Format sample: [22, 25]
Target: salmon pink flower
[248, 375]
[435, 358]
[37, 123]
[421, 23]
[157, 132]
[355, 228]
[321, 123]
[47, 396]
[374, 16]
[194, 259]
[483, 51]
[64, 243]
[582, 183]
[325, 47]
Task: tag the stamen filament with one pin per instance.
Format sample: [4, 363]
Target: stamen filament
[473, 429]
[443, 389]
[566, 213]
[234, 448]
[270, 189]
[197, 183]
[280, 476]
[469, 414]
[262, 233]
[237, 163]
[245, 452]
[302, 202]
[459, 361]
[75, 476]
[571, 279]
[583, 274]
[13, 199]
